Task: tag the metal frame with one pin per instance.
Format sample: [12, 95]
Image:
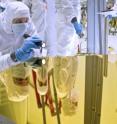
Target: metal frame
[93, 89]
[97, 27]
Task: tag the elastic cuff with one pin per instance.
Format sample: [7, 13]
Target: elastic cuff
[74, 20]
[13, 57]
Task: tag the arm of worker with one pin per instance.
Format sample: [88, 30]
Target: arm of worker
[109, 14]
[32, 32]
[78, 27]
[67, 9]
[71, 16]
[6, 62]
[22, 54]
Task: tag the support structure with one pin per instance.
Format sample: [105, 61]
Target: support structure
[93, 89]
[97, 27]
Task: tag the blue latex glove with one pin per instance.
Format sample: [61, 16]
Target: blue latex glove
[26, 51]
[78, 28]
[109, 17]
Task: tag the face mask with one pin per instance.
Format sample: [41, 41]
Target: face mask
[19, 29]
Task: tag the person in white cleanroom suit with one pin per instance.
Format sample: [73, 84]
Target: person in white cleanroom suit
[14, 23]
[14, 49]
[67, 25]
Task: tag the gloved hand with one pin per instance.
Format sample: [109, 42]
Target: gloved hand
[79, 29]
[26, 52]
[109, 17]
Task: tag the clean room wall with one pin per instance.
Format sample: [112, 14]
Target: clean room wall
[109, 96]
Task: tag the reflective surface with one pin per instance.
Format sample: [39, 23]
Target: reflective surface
[27, 110]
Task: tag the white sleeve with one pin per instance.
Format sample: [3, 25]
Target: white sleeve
[68, 10]
[6, 62]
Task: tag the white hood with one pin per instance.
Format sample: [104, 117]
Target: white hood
[13, 10]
